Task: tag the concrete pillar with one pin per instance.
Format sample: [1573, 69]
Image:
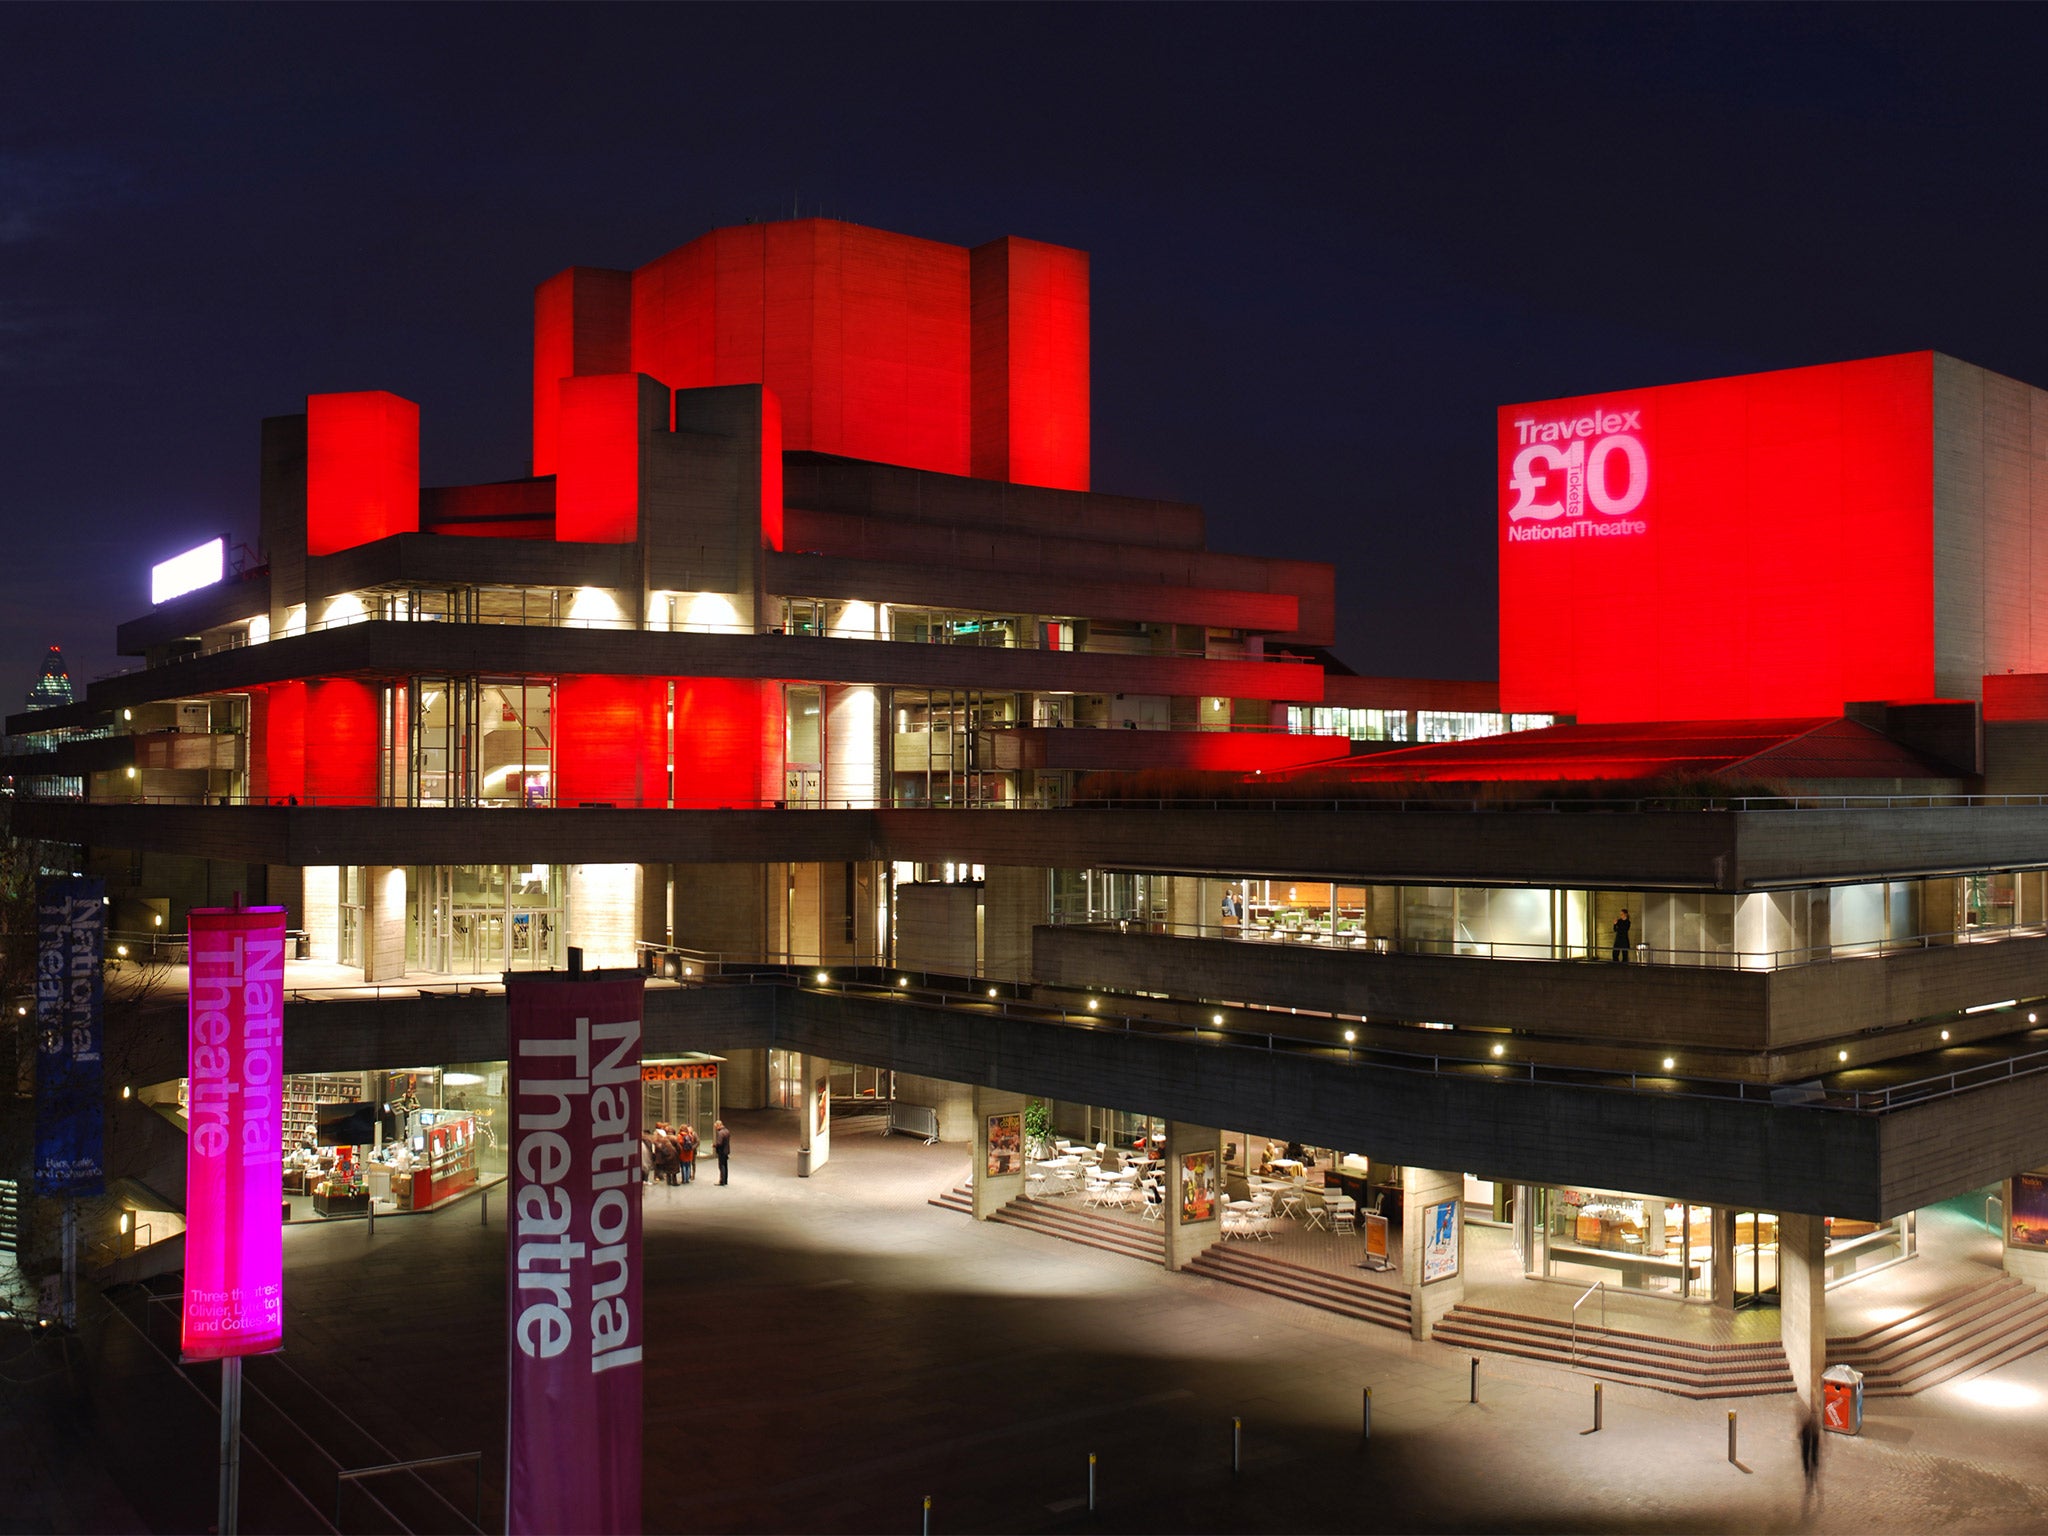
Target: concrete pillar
[1803, 1303]
[384, 922]
[1724, 1259]
[1190, 1189]
[1424, 1191]
[814, 1116]
[998, 1169]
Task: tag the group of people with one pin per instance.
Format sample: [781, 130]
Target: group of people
[669, 1153]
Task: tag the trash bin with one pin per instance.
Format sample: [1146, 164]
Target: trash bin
[1841, 1388]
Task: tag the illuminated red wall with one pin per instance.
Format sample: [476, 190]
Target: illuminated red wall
[1031, 363]
[597, 474]
[277, 732]
[880, 346]
[341, 742]
[362, 469]
[1775, 559]
[721, 725]
[611, 741]
[582, 323]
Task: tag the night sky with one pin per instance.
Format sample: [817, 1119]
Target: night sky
[1326, 241]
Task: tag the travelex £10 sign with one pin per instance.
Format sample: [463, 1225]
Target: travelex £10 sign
[1577, 475]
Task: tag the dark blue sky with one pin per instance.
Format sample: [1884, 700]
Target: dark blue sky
[1327, 241]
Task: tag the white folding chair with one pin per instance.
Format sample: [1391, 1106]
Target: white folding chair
[1345, 1217]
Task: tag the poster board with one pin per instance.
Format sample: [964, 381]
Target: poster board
[1440, 1241]
[1005, 1145]
[1197, 1187]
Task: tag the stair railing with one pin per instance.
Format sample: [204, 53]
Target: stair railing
[1601, 1287]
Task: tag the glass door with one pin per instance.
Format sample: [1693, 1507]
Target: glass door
[1756, 1259]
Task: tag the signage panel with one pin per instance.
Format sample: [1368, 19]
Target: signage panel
[195, 568]
[71, 933]
[1440, 1242]
[1743, 548]
[573, 1258]
[234, 1147]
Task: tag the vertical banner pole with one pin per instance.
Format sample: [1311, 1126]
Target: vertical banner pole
[230, 1444]
[71, 1263]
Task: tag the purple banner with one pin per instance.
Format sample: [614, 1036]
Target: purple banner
[573, 1257]
[71, 928]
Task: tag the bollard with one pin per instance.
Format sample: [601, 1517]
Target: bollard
[371, 1209]
[1368, 1413]
[1731, 1437]
[484, 1210]
[1236, 1441]
[1475, 1380]
[1091, 1479]
[1596, 1412]
[927, 1515]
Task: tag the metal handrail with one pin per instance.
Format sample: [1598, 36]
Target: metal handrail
[1497, 949]
[1601, 1287]
[353, 1474]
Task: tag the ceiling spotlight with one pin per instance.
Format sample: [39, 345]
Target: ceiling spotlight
[902, 981]
[689, 970]
[1944, 1034]
[121, 950]
[991, 991]
[1092, 1005]
[1669, 1063]
[1500, 1050]
[1350, 1036]
[1841, 1055]
[1215, 1018]
[823, 977]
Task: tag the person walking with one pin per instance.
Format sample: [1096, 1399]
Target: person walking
[1809, 1456]
[721, 1143]
[666, 1162]
[1621, 932]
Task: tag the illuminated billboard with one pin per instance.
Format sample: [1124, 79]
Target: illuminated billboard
[1741, 548]
[188, 572]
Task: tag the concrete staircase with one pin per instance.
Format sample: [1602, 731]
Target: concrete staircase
[1346, 1295]
[1679, 1366]
[959, 1198]
[1972, 1330]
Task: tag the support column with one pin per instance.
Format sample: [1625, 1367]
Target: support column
[998, 1171]
[384, 922]
[1802, 1303]
[1194, 1191]
[1432, 1243]
[814, 1116]
[1724, 1259]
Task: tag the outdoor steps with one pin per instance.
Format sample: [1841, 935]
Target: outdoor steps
[1679, 1366]
[1108, 1233]
[1984, 1326]
[959, 1198]
[1346, 1295]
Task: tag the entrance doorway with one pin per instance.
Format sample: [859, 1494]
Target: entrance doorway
[1755, 1261]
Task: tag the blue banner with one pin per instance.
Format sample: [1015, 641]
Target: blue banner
[71, 926]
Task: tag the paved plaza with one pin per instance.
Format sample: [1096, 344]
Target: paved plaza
[823, 1353]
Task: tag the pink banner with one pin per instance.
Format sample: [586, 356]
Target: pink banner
[573, 1257]
[234, 1149]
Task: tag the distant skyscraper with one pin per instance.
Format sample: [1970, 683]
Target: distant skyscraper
[54, 685]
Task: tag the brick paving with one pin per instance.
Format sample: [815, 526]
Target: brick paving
[824, 1352]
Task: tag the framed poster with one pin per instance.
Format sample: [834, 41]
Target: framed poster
[1005, 1143]
[1439, 1241]
[1197, 1186]
[824, 1102]
[2027, 1222]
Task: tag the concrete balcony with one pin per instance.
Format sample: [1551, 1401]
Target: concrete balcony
[1769, 1024]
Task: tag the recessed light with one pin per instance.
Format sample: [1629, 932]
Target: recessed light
[1500, 1050]
[1092, 1005]
[1350, 1035]
[1669, 1063]
[824, 976]
[902, 981]
[1944, 1034]
[1841, 1055]
[1215, 1018]
[991, 991]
